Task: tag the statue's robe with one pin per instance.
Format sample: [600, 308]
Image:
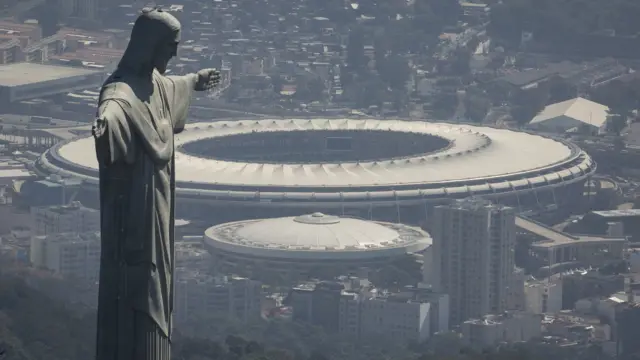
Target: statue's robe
[134, 144]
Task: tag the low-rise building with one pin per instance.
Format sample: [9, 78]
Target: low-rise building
[572, 115]
[72, 218]
[199, 294]
[72, 255]
[491, 330]
[358, 311]
[543, 296]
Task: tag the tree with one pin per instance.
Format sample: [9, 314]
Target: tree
[621, 97]
[526, 104]
[616, 123]
[277, 82]
[560, 90]
[316, 88]
[477, 106]
[448, 12]
[356, 60]
[394, 71]
[460, 60]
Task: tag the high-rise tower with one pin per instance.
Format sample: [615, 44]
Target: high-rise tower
[473, 256]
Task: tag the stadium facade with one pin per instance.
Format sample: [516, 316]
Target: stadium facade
[387, 170]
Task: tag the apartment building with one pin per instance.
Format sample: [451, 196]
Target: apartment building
[72, 218]
[543, 296]
[491, 330]
[473, 257]
[72, 255]
[199, 294]
[357, 312]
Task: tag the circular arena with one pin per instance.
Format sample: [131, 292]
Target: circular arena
[313, 245]
[391, 170]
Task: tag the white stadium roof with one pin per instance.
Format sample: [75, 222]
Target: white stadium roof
[476, 152]
[317, 236]
[480, 161]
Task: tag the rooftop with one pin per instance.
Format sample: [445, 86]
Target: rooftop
[19, 74]
[554, 238]
[617, 213]
[315, 233]
[73, 207]
[477, 153]
[580, 109]
[522, 78]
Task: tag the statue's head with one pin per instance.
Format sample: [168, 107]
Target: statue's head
[154, 41]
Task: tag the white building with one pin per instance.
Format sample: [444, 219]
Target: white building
[72, 255]
[73, 218]
[491, 330]
[574, 114]
[296, 248]
[543, 296]
[407, 316]
[473, 257]
[199, 295]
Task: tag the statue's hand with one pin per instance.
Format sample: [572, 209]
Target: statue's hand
[207, 79]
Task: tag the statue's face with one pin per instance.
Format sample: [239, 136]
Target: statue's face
[164, 52]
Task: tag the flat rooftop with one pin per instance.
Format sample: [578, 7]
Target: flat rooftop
[20, 74]
[617, 213]
[558, 238]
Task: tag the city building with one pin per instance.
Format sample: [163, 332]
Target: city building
[585, 284]
[83, 9]
[10, 51]
[24, 81]
[74, 256]
[627, 319]
[356, 311]
[414, 314]
[516, 298]
[491, 330]
[599, 222]
[192, 256]
[556, 251]
[543, 296]
[199, 294]
[473, 256]
[580, 327]
[572, 115]
[73, 218]
[24, 31]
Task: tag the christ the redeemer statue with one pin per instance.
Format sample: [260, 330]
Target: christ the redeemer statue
[139, 111]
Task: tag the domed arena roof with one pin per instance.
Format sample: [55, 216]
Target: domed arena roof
[317, 236]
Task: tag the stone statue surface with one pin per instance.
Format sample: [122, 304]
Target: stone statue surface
[139, 111]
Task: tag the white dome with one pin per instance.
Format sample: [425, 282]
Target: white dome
[316, 236]
[318, 231]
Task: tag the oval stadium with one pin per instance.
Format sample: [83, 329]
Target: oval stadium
[388, 170]
[309, 245]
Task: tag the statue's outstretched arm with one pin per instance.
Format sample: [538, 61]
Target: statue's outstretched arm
[179, 92]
